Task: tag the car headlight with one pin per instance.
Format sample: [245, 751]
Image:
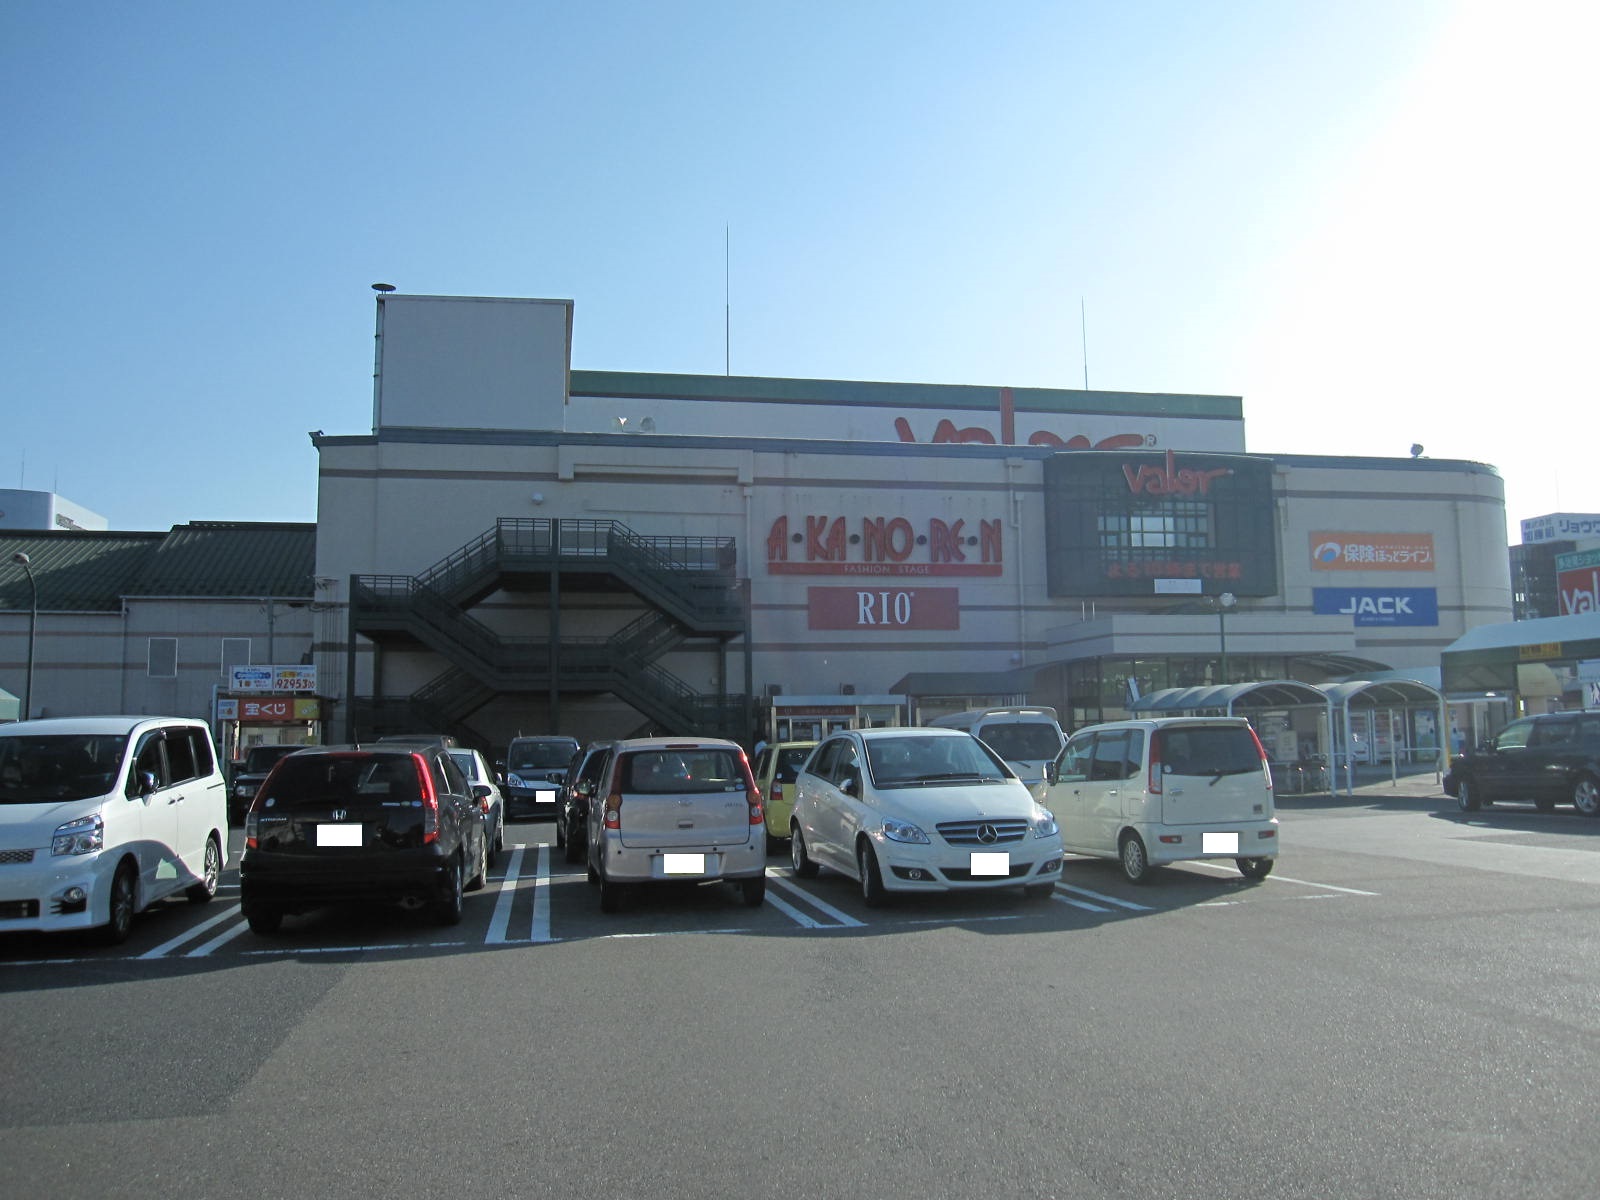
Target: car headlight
[83, 836]
[1044, 823]
[903, 831]
[515, 780]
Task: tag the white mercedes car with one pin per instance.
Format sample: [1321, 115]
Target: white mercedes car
[920, 810]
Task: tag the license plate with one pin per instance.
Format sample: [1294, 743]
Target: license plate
[683, 864]
[990, 863]
[339, 835]
[1219, 843]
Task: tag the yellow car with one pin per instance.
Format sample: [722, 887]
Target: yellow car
[775, 767]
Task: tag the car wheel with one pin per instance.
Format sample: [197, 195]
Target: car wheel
[200, 893]
[1467, 796]
[450, 906]
[1254, 868]
[1038, 891]
[561, 833]
[872, 893]
[754, 891]
[610, 895]
[1135, 860]
[774, 845]
[496, 844]
[264, 921]
[124, 903]
[482, 876]
[574, 849]
[798, 858]
[1586, 796]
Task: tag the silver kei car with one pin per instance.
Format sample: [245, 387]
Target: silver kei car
[676, 810]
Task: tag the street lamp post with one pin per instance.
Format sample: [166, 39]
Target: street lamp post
[26, 563]
[1224, 602]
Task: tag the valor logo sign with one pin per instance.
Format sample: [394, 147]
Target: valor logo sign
[1378, 606]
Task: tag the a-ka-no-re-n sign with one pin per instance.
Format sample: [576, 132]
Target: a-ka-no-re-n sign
[825, 545]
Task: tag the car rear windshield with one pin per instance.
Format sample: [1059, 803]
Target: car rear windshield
[1019, 741]
[1208, 750]
[534, 756]
[790, 761]
[66, 766]
[344, 779]
[678, 771]
[260, 758]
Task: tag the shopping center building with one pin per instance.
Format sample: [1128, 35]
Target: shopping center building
[516, 546]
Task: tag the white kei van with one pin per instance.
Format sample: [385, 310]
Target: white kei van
[1028, 737]
[1166, 789]
[102, 816]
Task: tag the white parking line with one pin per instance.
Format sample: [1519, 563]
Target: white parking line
[188, 934]
[1195, 862]
[782, 879]
[541, 895]
[1083, 904]
[354, 949]
[1128, 904]
[503, 902]
[793, 913]
[220, 939]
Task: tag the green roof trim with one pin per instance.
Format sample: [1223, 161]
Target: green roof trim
[748, 389]
[94, 570]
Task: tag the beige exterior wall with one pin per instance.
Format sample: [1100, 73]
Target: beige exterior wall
[389, 507]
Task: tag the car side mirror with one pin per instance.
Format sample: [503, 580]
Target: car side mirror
[147, 782]
[850, 785]
[481, 791]
[583, 788]
[1050, 773]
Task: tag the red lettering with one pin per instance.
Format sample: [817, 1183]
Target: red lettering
[900, 540]
[1159, 481]
[944, 542]
[989, 544]
[829, 550]
[778, 541]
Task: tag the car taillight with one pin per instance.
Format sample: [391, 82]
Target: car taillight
[1266, 763]
[430, 801]
[752, 792]
[1155, 763]
[252, 830]
[614, 811]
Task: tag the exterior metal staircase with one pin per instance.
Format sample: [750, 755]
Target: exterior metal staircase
[689, 583]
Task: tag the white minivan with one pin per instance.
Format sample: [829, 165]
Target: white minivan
[1027, 736]
[102, 816]
[1166, 789]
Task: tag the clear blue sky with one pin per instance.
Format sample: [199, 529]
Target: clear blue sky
[1371, 219]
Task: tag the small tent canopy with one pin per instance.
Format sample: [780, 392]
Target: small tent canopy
[1272, 693]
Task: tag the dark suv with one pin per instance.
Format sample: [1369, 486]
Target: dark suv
[572, 822]
[389, 822]
[1550, 759]
[248, 775]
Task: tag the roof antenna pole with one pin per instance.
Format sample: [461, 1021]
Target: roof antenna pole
[1083, 326]
[727, 301]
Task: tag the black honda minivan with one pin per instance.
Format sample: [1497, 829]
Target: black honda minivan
[386, 822]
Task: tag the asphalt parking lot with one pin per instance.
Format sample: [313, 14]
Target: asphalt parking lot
[533, 897]
[1404, 1009]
